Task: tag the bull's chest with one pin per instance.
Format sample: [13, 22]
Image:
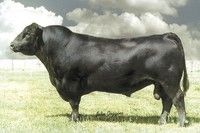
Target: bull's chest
[67, 83]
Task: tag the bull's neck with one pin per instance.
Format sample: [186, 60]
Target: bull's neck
[45, 60]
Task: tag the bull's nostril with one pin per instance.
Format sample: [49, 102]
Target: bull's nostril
[12, 46]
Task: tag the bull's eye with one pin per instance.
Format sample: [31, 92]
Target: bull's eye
[24, 35]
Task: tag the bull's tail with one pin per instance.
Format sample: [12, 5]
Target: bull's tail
[178, 42]
[185, 81]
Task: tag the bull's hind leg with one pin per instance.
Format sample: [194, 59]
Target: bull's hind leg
[177, 96]
[167, 104]
[179, 103]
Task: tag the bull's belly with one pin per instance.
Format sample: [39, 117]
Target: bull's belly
[109, 88]
[119, 87]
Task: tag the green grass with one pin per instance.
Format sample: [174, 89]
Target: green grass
[29, 103]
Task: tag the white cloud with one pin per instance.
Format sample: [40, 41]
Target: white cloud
[167, 7]
[190, 43]
[14, 16]
[130, 25]
[113, 25]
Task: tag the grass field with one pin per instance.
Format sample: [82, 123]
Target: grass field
[29, 103]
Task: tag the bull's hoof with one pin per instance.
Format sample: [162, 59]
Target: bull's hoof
[156, 96]
[184, 124]
[162, 121]
[75, 118]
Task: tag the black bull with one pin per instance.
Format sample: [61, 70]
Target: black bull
[79, 64]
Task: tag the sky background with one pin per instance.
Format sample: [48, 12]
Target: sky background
[105, 18]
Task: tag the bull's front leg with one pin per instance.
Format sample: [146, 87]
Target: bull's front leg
[74, 94]
[74, 102]
[69, 91]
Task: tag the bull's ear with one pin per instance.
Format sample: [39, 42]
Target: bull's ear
[39, 30]
[35, 25]
[38, 40]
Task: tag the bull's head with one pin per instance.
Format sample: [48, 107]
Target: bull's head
[27, 42]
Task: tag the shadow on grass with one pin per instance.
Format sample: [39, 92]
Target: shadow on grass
[120, 117]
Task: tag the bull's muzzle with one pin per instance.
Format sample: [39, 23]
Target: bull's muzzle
[14, 48]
